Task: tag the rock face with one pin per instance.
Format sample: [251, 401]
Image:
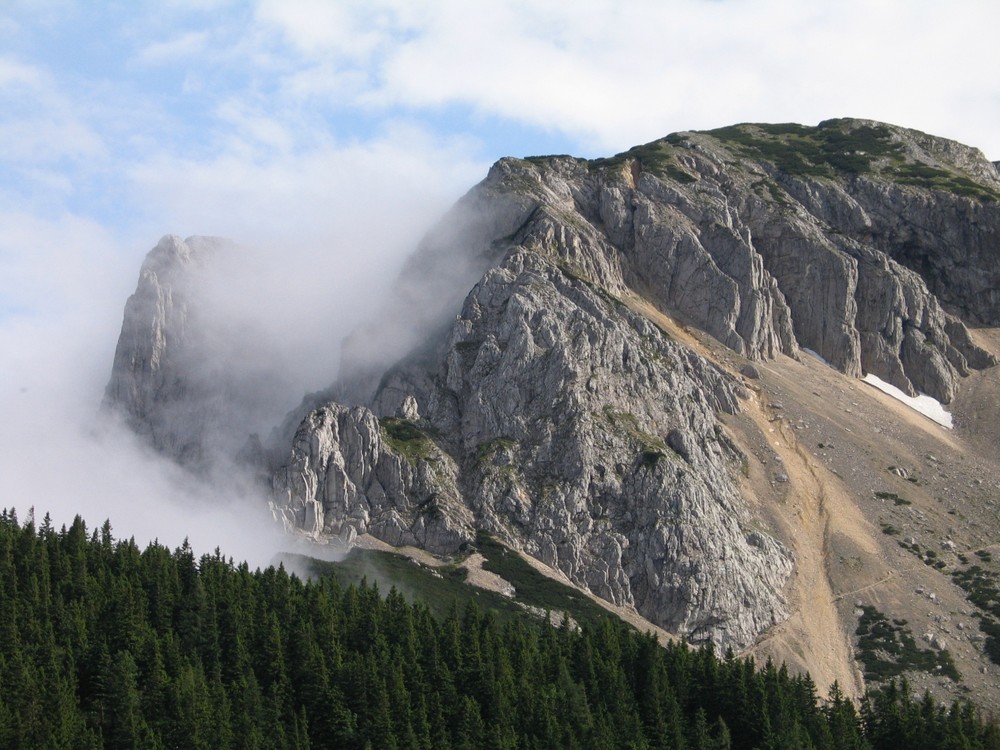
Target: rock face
[352, 473]
[548, 408]
[153, 383]
[568, 426]
[182, 376]
[769, 257]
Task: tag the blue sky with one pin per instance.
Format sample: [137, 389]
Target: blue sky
[130, 114]
[329, 135]
[146, 117]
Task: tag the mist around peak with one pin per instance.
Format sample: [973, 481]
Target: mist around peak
[274, 307]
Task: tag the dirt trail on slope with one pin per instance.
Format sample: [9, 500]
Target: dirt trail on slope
[484, 579]
[813, 637]
[478, 576]
[627, 614]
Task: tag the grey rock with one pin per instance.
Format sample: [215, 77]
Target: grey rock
[539, 387]
[579, 432]
[936, 641]
[156, 385]
[550, 407]
[819, 268]
[348, 475]
[470, 238]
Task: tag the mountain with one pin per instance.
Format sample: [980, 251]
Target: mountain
[643, 372]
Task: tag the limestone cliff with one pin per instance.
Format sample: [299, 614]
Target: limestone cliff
[153, 384]
[573, 428]
[187, 376]
[558, 420]
[514, 385]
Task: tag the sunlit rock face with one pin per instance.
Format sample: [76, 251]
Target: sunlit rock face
[519, 383]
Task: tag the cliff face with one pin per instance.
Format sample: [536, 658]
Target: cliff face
[554, 406]
[186, 376]
[153, 385]
[555, 418]
[849, 250]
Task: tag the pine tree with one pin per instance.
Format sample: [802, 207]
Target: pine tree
[124, 726]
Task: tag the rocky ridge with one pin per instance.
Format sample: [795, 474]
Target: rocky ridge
[566, 425]
[545, 410]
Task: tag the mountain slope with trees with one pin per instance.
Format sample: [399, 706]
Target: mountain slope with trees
[104, 645]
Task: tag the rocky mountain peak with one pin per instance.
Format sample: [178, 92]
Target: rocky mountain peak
[154, 384]
[576, 361]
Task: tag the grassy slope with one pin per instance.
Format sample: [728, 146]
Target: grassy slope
[440, 588]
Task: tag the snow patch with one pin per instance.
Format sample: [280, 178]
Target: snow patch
[926, 405]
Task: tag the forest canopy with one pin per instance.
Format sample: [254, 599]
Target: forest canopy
[104, 645]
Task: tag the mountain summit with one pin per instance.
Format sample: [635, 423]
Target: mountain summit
[644, 373]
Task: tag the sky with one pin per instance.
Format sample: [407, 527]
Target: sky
[328, 136]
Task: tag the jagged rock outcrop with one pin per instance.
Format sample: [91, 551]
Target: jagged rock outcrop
[435, 279]
[869, 249]
[573, 429]
[570, 427]
[187, 376]
[590, 440]
[352, 473]
[767, 258]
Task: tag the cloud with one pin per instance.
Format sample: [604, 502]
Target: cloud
[326, 220]
[67, 467]
[350, 30]
[51, 268]
[178, 48]
[609, 75]
[326, 229]
[38, 123]
[13, 72]
[67, 281]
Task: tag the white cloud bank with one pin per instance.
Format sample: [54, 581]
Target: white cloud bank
[609, 74]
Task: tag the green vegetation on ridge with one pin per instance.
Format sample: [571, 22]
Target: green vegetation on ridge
[535, 589]
[822, 151]
[835, 148]
[658, 157]
[406, 439]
